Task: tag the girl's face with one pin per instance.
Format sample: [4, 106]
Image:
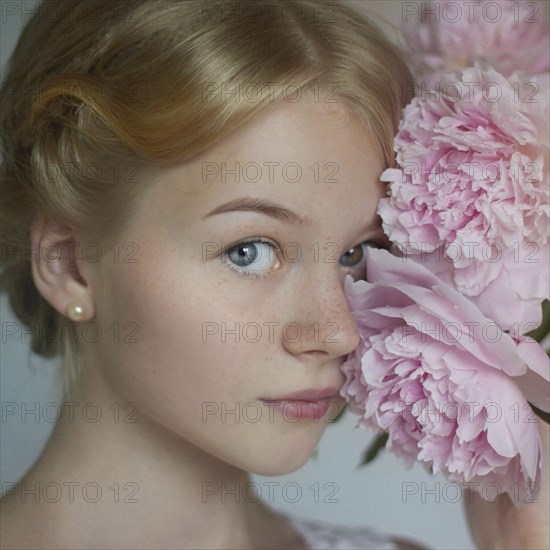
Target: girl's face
[217, 325]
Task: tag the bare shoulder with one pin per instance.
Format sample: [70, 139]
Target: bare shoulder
[12, 534]
[407, 544]
[22, 526]
[280, 532]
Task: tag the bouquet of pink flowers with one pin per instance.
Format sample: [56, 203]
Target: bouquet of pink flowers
[450, 368]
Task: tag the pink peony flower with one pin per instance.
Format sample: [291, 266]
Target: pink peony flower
[473, 189]
[447, 36]
[437, 375]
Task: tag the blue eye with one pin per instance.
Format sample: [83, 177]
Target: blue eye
[253, 258]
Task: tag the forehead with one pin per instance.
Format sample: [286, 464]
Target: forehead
[307, 130]
[307, 155]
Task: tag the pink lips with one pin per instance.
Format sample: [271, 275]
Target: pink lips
[307, 404]
[307, 395]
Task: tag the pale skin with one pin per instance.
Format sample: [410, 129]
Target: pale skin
[172, 294]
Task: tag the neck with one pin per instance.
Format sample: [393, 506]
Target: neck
[162, 489]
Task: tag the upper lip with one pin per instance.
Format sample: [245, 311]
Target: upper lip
[307, 395]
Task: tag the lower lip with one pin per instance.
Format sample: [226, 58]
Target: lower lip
[294, 410]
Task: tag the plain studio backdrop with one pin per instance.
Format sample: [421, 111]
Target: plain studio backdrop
[383, 494]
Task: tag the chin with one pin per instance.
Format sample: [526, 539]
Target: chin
[280, 468]
[282, 455]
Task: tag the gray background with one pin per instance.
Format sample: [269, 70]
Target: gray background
[372, 496]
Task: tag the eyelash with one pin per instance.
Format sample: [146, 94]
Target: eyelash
[247, 273]
[277, 248]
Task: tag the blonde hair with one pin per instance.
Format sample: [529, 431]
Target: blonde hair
[98, 92]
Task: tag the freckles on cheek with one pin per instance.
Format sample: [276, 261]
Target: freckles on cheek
[174, 359]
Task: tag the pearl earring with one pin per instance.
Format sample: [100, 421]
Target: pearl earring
[76, 312]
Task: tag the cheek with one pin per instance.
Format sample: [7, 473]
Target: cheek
[184, 372]
[176, 355]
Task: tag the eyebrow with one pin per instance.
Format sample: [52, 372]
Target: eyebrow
[274, 210]
[248, 204]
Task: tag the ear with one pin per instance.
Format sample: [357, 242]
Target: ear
[55, 270]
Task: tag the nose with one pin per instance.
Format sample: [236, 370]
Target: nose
[322, 327]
